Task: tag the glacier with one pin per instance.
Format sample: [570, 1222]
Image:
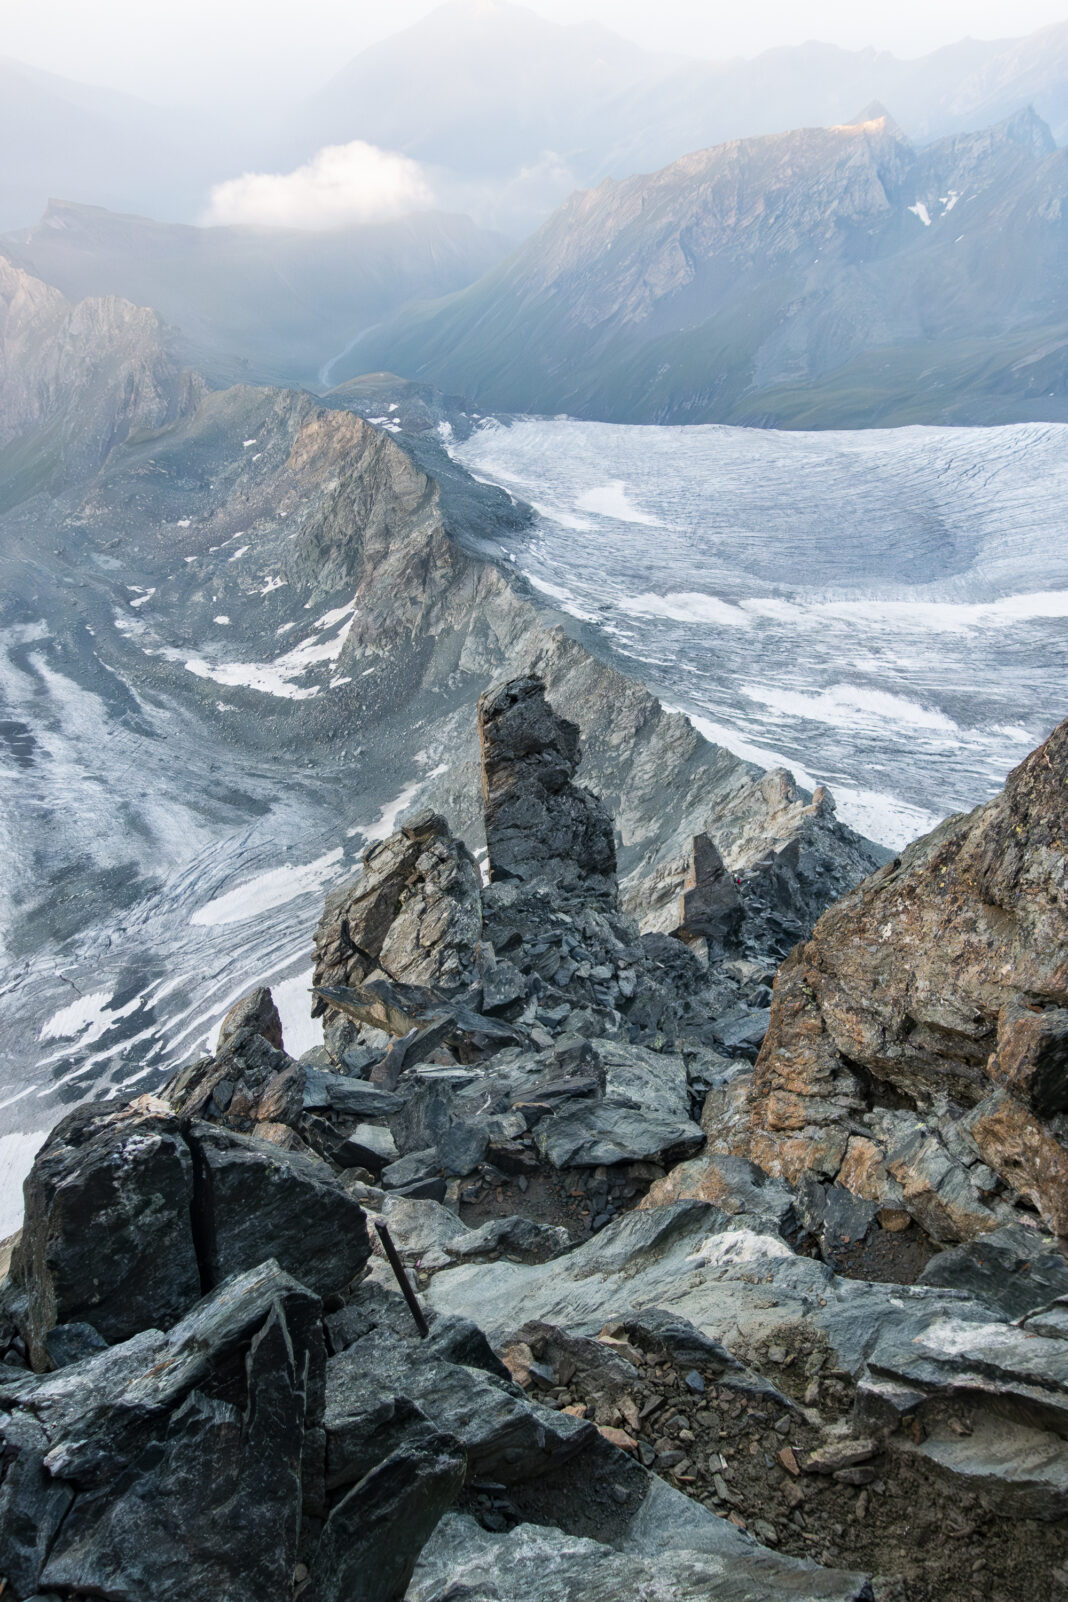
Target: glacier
[881, 611]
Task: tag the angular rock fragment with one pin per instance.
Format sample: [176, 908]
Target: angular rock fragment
[1015, 1270]
[588, 1134]
[710, 908]
[256, 1012]
[373, 1537]
[506, 1438]
[256, 1202]
[168, 1466]
[414, 915]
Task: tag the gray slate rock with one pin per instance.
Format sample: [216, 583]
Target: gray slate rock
[107, 1239]
[1014, 1269]
[462, 1147]
[368, 1146]
[256, 1202]
[374, 1536]
[537, 1563]
[169, 1466]
[338, 1093]
[506, 1437]
[413, 1169]
[540, 826]
[69, 1343]
[585, 1135]
[211, 1504]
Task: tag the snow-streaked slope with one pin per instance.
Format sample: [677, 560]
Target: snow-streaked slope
[883, 611]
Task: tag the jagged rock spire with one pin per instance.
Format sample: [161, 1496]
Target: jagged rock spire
[710, 908]
[540, 826]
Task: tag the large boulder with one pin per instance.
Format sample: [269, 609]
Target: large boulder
[541, 827]
[256, 1201]
[941, 981]
[107, 1239]
[131, 1212]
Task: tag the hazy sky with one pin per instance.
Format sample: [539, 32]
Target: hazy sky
[182, 49]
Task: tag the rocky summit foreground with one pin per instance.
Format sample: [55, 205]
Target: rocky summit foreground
[707, 1308]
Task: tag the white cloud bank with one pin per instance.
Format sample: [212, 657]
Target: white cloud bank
[340, 185]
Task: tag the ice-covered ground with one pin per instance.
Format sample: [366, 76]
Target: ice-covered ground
[885, 612]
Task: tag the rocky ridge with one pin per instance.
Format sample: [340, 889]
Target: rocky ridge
[89, 375]
[268, 607]
[758, 1392]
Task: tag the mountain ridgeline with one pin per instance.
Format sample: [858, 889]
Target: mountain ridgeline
[827, 277]
[232, 617]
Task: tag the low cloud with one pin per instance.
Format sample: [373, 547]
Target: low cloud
[340, 185]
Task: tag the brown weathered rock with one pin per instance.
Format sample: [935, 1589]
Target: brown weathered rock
[540, 826]
[940, 980]
[414, 914]
[257, 1012]
[1016, 1143]
[1031, 1058]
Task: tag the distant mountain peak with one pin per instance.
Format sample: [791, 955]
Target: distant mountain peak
[875, 112]
[1027, 128]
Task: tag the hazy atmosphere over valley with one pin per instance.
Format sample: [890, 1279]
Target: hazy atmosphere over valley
[534, 802]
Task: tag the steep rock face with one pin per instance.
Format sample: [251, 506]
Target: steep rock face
[89, 374]
[816, 274]
[540, 826]
[939, 983]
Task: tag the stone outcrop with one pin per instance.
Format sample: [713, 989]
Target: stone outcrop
[917, 1046]
[132, 1211]
[541, 827]
[91, 1251]
[256, 1012]
[413, 914]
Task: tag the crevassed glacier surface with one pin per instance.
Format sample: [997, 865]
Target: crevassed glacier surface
[883, 611]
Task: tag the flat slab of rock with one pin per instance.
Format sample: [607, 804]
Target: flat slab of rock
[506, 1438]
[585, 1135]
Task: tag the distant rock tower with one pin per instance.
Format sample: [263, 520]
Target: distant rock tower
[710, 908]
[540, 826]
